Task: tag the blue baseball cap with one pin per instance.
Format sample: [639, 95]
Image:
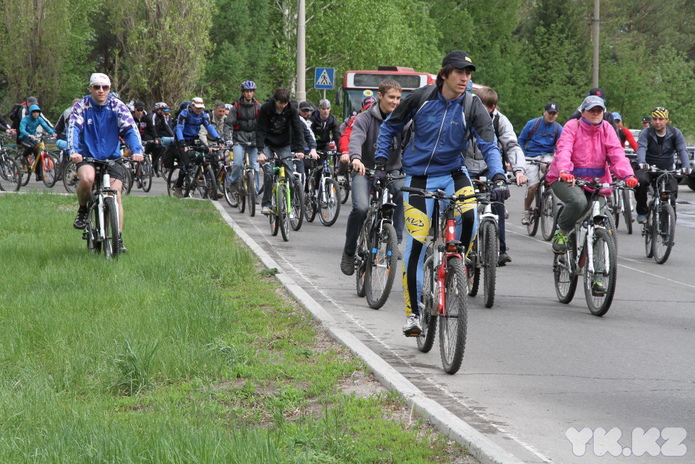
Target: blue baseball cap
[617, 116]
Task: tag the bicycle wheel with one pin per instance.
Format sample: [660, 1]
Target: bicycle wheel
[146, 174]
[428, 307]
[127, 181]
[627, 209]
[70, 177]
[664, 233]
[240, 195]
[273, 216]
[611, 227]
[297, 211]
[453, 321]
[473, 268]
[647, 231]
[10, 175]
[564, 275]
[547, 214]
[91, 232]
[310, 205]
[490, 253]
[535, 212]
[344, 186]
[329, 202]
[616, 204]
[251, 192]
[49, 165]
[381, 271]
[283, 213]
[362, 257]
[110, 245]
[210, 183]
[24, 168]
[599, 283]
[172, 176]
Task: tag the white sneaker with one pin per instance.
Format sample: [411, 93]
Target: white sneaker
[525, 218]
[412, 327]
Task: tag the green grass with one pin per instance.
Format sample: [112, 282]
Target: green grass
[184, 350]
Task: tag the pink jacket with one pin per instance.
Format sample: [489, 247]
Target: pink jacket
[589, 151]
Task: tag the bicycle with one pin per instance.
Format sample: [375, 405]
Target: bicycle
[101, 232]
[482, 259]
[376, 257]
[620, 203]
[659, 230]
[343, 179]
[322, 197]
[47, 161]
[198, 178]
[10, 172]
[287, 201]
[142, 171]
[591, 250]
[245, 195]
[543, 207]
[445, 283]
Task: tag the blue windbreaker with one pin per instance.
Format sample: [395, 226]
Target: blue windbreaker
[94, 130]
[188, 125]
[28, 124]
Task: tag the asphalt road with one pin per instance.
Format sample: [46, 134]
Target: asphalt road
[540, 378]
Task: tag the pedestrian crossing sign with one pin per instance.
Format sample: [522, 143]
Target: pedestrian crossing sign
[324, 78]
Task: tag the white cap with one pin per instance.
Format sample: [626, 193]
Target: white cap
[99, 79]
[198, 102]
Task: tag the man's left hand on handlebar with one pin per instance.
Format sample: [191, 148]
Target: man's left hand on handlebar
[138, 157]
[499, 192]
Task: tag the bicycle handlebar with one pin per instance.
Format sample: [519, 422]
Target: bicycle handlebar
[438, 194]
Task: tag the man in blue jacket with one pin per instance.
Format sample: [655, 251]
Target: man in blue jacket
[444, 117]
[96, 123]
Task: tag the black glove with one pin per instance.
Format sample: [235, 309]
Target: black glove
[378, 178]
[499, 192]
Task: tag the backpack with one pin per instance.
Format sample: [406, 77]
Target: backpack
[16, 115]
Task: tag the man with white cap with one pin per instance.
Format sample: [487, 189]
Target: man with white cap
[96, 123]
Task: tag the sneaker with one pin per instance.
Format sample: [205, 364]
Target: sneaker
[265, 210]
[121, 247]
[503, 259]
[412, 327]
[81, 219]
[525, 218]
[641, 218]
[559, 243]
[347, 264]
[597, 289]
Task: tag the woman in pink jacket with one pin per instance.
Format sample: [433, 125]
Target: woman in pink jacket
[588, 148]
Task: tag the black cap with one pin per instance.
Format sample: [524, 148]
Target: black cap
[459, 60]
[138, 105]
[598, 92]
[552, 107]
[647, 119]
[305, 106]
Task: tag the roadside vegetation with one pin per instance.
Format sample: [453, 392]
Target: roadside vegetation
[184, 350]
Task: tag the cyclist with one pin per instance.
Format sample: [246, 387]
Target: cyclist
[165, 133]
[218, 118]
[324, 124]
[303, 166]
[538, 139]
[587, 149]
[441, 115]
[279, 132]
[346, 130]
[188, 126]
[658, 145]
[62, 126]
[362, 146]
[646, 122]
[624, 133]
[512, 155]
[241, 123]
[27, 137]
[97, 122]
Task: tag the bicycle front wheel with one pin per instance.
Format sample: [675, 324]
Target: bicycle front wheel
[344, 186]
[310, 205]
[49, 165]
[329, 202]
[70, 177]
[297, 216]
[251, 192]
[600, 274]
[663, 233]
[92, 230]
[110, 245]
[547, 214]
[381, 271]
[428, 309]
[127, 181]
[25, 169]
[171, 180]
[648, 231]
[473, 268]
[10, 175]
[453, 322]
[490, 253]
[564, 275]
[283, 213]
[627, 210]
[535, 212]
[273, 216]
[146, 173]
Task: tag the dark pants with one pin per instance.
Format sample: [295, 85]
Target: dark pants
[284, 155]
[645, 178]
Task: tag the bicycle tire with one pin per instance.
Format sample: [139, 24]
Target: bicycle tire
[535, 212]
[48, 169]
[147, 173]
[473, 269]
[381, 272]
[251, 192]
[605, 255]
[283, 213]
[110, 245]
[273, 216]
[127, 182]
[297, 205]
[428, 309]
[239, 195]
[627, 210]
[547, 214]
[10, 175]
[616, 202]
[310, 205]
[210, 183]
[664, 233]
[647, 231]
[70, 177]
[25, 169]
[453, 322]
[172, 176]
[344, 185]
[564, 275]
[330, 208]
[92, 230]
[490, 254]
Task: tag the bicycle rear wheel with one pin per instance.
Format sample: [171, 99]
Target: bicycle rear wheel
[283, 213]
[663, 233]
[49, 165]
[297, 216]
[146, 174]
[70, 177]
[564, 275]
[210, 183]
[344, 187]
[329, 202]
[110, 245]
[627, 209]
[453, 322]
[490, 253]
[25, 169]
[535, 213]
[251, 192]
[547, 214]
[10, 175]
[381, 271]
[310, 205]
[428, 307]
[171, 180]
[599, 284]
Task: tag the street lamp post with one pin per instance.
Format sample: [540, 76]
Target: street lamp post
[301, 51]
[595, 32]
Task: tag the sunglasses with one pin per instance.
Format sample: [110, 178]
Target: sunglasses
[102, 87]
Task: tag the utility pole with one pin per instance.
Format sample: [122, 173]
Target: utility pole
[595, 32]
[301, 51]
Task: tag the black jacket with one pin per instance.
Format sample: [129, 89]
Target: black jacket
[323, 128]
[242, 121]
[279, 129]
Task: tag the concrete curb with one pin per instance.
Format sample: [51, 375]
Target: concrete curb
[482, 448]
